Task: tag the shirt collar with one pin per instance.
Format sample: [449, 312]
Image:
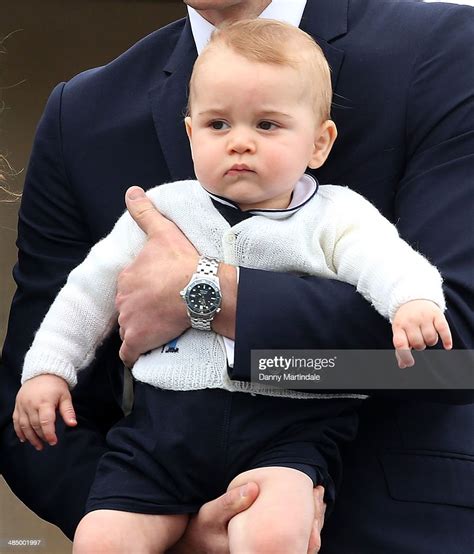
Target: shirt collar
[304, 190]
[289, 11]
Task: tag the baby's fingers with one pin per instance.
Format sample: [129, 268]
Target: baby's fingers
[17, 427]
[402, 348]
[27, 430]
[47, 418]
[415, 337]
[66, 409]
[404, 358]
[444, 332]
[429, 332]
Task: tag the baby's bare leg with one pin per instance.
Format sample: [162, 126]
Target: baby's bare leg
[280, 520]
[116, 532]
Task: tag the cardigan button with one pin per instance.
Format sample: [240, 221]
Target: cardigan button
[230, 239]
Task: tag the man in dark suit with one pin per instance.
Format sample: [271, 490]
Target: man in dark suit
[403, 104]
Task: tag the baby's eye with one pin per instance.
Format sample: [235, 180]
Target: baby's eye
[267, 125]
[218, 125]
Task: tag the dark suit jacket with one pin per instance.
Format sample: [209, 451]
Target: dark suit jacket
[403, 104]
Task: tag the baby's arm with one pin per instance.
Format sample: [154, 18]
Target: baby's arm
[398, 281]
[78, 320]
[418, 324]
[84, 311]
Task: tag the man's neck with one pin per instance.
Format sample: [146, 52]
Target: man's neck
[244, 10]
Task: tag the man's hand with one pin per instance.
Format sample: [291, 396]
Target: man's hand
[207, 531]
[151, 311]
[418, 324]
[319, 513]
[35, 409]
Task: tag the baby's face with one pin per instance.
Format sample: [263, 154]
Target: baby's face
[253, 129]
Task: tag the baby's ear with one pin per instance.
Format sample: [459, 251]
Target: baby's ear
[189, 127]
[189, 131]
[324, 139]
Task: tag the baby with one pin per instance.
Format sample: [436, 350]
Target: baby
[259, 106]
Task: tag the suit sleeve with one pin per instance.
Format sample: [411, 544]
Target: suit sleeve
[434, 207]
[52, 240]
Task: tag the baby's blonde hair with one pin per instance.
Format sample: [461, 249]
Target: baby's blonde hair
[273, 42]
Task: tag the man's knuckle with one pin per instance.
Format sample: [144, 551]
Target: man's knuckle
[129, 338]
[144, 212]
[228, 500]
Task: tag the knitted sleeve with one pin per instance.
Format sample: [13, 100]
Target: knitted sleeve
[84, 312]
[369, 254]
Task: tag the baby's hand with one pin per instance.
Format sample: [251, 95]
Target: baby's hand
[417, 325]
[35, 409]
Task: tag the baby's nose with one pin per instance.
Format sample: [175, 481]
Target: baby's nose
[241, 141]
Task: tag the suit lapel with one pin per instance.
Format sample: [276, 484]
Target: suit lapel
[168, 100]
[326, 20]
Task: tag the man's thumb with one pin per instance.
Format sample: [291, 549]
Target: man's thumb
[66, 410]
[140, 208]
[237, 500]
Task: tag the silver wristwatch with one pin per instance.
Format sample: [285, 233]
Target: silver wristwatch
[202, 294]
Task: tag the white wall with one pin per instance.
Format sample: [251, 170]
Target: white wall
[467, 2]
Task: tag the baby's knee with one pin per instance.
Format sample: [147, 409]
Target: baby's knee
[264, 538]
[270, 541]
[99, 533]
[90, 538]
[117, 532]
[281, 518]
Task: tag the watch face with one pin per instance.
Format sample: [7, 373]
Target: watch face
[203, 298]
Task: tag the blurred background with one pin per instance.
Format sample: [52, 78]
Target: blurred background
[43, 42]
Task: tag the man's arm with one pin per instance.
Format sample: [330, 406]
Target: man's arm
[52, 240]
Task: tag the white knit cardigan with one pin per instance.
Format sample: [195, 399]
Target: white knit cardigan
[337, 234]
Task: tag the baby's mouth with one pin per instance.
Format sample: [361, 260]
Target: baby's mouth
[239, 169]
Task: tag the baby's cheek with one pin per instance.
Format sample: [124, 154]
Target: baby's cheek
[204, 168]
[277, 161]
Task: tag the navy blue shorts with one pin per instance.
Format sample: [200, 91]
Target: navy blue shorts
[178, 450]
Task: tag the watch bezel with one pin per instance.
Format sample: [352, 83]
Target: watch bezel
[202, 281]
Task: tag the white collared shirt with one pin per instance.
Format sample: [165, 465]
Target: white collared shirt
[289, 11]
